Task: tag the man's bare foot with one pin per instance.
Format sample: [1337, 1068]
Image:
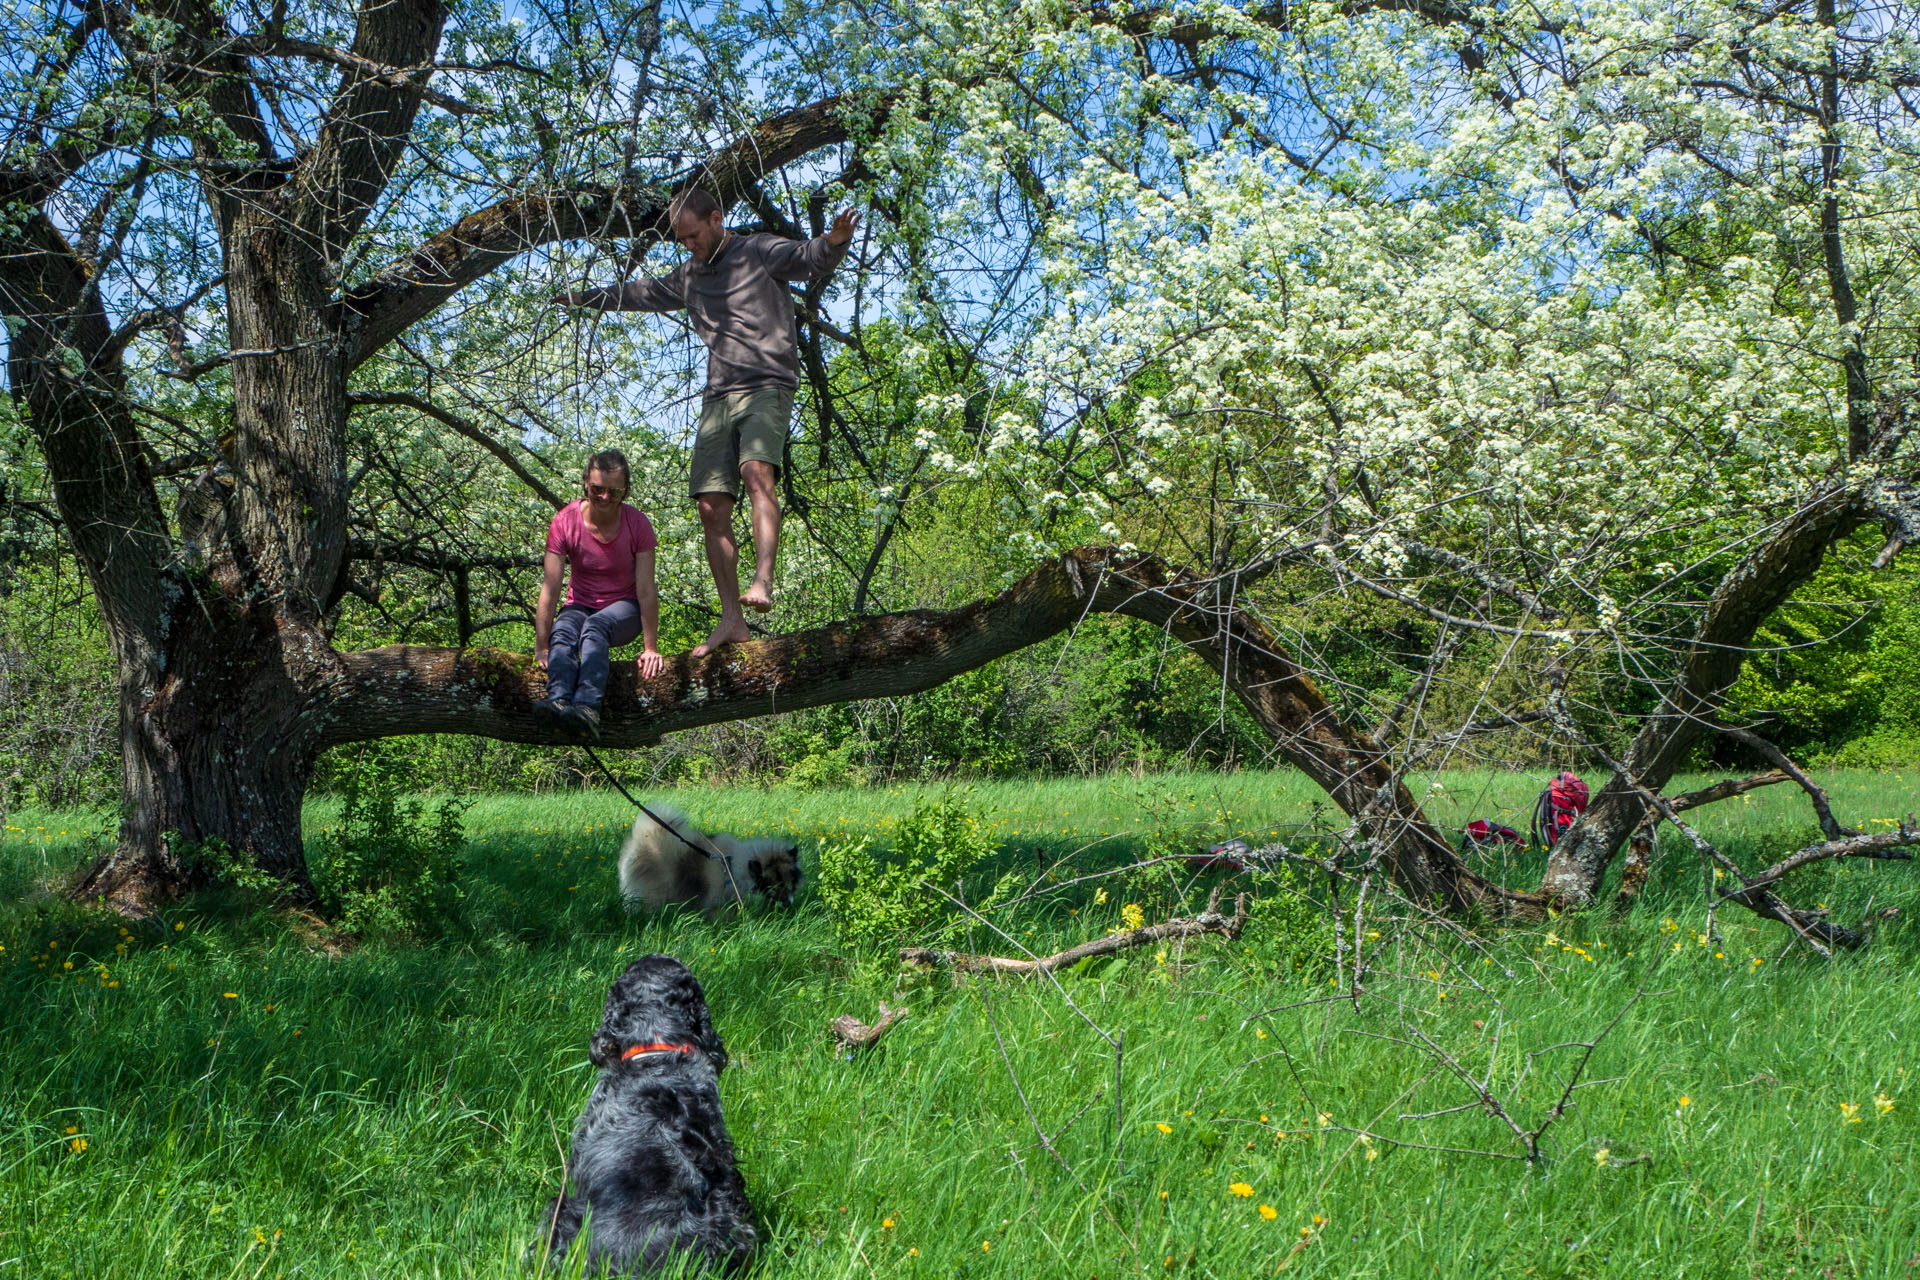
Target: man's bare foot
[725, 633]
[758, 596]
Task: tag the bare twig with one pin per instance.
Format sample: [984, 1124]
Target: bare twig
[1208, 921]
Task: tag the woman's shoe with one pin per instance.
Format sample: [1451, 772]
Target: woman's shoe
[553, 712]
[584, 718]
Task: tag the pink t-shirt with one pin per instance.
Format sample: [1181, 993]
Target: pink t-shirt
[599, 572]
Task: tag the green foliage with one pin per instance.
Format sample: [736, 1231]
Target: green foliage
[217, 858]
[823, 765]
[58, 714]
[1836, 674]
[902, 896]
[1289, 927]
[390, 863]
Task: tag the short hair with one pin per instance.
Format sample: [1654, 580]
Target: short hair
[606, 462]
[694, 201]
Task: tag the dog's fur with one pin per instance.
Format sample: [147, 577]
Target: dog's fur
[651, 1156]
[661, 867]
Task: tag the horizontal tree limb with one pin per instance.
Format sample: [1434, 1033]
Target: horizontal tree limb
[1889, 845]
[482, 241]
[404, 689]
[1725, 789]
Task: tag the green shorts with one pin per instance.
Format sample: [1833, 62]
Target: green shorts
[741, 426]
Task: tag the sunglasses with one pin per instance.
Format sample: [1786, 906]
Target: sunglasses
[603, 491]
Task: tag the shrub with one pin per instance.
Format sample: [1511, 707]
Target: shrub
[390, 864]
[1289, 927]
[903, 895]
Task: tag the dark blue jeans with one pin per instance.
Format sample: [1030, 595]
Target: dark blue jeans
[577, 652]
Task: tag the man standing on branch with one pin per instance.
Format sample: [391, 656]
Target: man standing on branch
[732, 288]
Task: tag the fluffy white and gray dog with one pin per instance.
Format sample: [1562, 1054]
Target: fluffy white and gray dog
[667, 861]
[651, 1156]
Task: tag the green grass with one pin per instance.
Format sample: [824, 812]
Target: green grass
[401, 1111]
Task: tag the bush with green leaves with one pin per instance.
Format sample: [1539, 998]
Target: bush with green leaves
[390, 863]
[1290, 927]
[906, 894]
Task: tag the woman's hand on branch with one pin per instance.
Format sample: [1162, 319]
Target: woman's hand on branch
[650, 663]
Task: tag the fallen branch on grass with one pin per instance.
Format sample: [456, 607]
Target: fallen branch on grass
[1208, 921]
[850, 1033]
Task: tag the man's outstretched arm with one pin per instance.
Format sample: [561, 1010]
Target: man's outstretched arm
[812, 259]
[651, 293]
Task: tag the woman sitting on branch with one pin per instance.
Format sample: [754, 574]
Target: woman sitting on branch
[606, 547]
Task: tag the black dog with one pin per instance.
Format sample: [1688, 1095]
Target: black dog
[651, 1156]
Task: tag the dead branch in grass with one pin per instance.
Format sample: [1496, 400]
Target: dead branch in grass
[1210, 921]
[849, 1033]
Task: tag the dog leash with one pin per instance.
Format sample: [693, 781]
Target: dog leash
[671, 830]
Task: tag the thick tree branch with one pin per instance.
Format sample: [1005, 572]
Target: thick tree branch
[479, 243]
[371, 116]
[1744, 598]
[405, 689]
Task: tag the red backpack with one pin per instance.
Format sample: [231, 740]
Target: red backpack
[1558, 808]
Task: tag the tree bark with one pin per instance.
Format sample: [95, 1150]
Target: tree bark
[1742, 601]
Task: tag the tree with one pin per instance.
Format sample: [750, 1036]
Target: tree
[161, 158]
[1533, 328]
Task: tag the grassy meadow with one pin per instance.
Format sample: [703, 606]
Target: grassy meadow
[222, 1092]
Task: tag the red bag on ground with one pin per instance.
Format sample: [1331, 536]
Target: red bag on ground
[1558, 808]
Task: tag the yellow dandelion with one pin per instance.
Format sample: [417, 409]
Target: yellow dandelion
[1685, 1101]
[77, 1145]
[178, 925]
[1099, 897]
[73, 1128]
[886, 1224]
[1851, 1110]
[1268, 1212]
[1132, 916]
[1164, 1127]
[229, 995]
[1240, 1189]
[986, 1246]
[913, 1253]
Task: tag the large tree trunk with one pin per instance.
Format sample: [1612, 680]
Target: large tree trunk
[219, 748]
[1744, 599]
